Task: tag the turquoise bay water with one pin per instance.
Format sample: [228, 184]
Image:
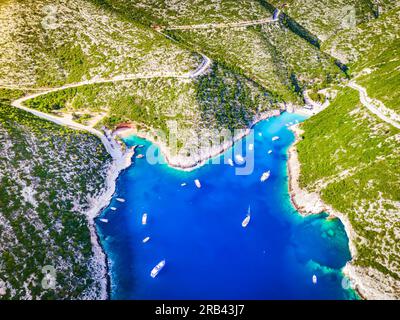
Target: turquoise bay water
[209, 255]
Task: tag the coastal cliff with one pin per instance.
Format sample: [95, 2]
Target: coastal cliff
[190, 162]
[369, 282]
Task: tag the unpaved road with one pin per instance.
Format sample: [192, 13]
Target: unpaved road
[369, 104]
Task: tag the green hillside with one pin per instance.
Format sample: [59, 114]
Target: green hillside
[70, 41]
[48, 174]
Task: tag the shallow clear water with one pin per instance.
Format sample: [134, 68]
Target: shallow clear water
[209, 255]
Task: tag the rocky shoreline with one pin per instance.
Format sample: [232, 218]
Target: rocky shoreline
[367, 282]
[192, 163]
[120, 161]
[306, 203]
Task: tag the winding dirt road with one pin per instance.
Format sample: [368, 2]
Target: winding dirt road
[200, 70]
[111, 146]
[376, 107]
[225, 25]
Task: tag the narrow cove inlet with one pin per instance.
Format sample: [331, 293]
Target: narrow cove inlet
[196, 222]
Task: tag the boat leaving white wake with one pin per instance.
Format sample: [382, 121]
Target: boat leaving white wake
[247, 219]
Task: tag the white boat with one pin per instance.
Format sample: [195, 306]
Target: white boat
[197, 183]
[275, 138]
[144, 219]
[113, 208]
[251, 147]
[146, 239]
[260, 134]
[230, 162]
[120, 199]
[104, 220]
[314, 279]
[239, 159]
[269, 151]
[156, 270]
[247, 219]
[265, 176]
[183, 184]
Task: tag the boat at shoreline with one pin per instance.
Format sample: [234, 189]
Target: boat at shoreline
[156, 270]
[230, 162]
[104, 220]
[247, 219]
[144, 219]
[265, 176]
[120, 199]
[251, 147]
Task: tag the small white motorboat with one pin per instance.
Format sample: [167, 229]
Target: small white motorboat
[239, 159]
[265, 176]
[197, 183]
[260, 134]
[104, 220]
[230, 162]
[251, 147]
[144, 219]
[146, 239]
[275, 138]
[247, 219]
[269, 151]
[120, 199]
[113, 208]
[314, 279]
[183, 184]
[156, 270]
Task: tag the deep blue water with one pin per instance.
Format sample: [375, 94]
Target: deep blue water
[198, 231]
